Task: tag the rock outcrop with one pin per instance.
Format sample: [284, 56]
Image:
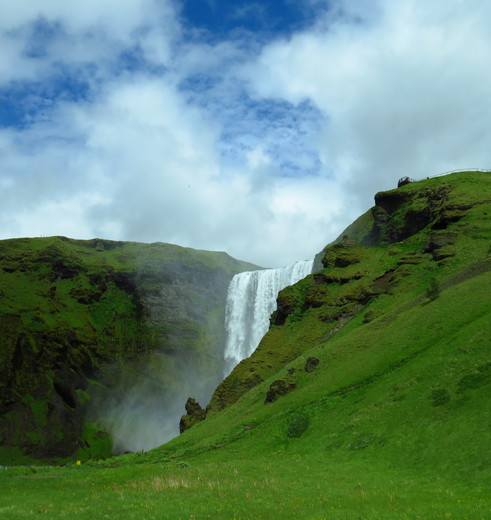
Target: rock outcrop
[194, 414]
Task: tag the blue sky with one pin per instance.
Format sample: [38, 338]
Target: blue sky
[267, 18]
[257, 128]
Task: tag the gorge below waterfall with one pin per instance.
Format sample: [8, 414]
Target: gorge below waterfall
[250, 302]
[147, 411]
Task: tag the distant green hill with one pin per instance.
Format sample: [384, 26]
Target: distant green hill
[79, 317]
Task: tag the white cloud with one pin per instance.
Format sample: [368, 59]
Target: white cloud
[39, 39]
[404, 94]
[257, 157]
[267, 156]
[110, 16]
[61, 217]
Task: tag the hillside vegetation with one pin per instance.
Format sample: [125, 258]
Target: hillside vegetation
[369, 398]
[86, 320]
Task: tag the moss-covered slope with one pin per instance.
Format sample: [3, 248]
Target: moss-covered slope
[72, 313]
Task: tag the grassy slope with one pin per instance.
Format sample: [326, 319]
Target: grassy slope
[394, 422]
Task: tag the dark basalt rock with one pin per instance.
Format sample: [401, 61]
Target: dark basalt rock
[448, 216]
[440, 245]
[392, 200]
[287, 301]
[277, 389]
[399, 214]
[124, 281]
[62, 266]
[194, 415]
[311, 364]
[382, 284]
[438, 240]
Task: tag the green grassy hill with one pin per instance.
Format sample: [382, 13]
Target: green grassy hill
[83, 321]
[369, 398]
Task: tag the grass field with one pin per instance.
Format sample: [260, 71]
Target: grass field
[277, 487]
[314, 486]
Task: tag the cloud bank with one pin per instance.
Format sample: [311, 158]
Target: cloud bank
[127, 122]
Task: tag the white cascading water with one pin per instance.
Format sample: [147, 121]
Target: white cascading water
[251, 300]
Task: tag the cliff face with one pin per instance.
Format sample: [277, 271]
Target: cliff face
[74, 313]
[427, 232]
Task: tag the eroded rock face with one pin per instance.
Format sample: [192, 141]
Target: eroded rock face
[287, 301]
[194, 414]
[440, 245]
[399, 214]
[277, 389]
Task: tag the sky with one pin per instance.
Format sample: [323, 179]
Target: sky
[257, 128]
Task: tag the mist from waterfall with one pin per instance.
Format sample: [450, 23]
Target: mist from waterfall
[142, 407]
[250, 302]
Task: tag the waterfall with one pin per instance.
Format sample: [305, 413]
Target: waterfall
[251, 300]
